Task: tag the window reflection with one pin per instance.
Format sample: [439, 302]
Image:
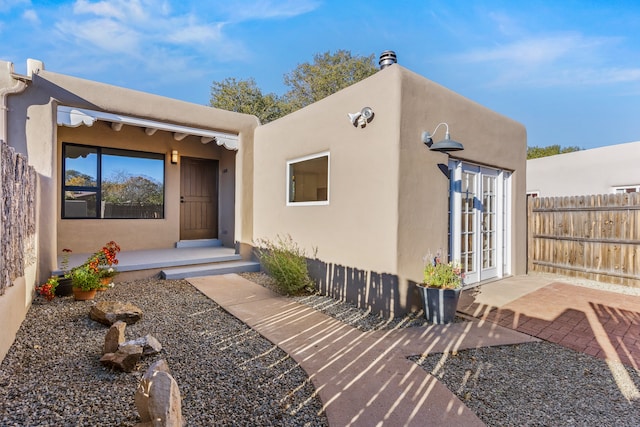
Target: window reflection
[111, 183]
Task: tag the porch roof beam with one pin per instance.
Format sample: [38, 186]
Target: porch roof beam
[74, 117]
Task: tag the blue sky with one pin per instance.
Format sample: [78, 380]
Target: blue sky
[568, 70]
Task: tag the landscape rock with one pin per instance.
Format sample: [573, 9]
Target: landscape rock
[109, 312]
[125, 359]
[150, 345]
[114, 337]
[158, 397]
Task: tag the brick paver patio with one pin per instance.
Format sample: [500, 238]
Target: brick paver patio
[600, 323]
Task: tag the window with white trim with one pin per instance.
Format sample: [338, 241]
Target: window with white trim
[308, 180]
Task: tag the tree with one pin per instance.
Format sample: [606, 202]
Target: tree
[244, 96]
[537, 152]
[325, 76]
[308, 83]
[75, 178]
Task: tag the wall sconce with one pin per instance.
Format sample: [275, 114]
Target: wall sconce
[447, 144]
[174, 157]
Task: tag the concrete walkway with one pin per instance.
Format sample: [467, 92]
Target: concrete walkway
[600, 323]
[362, 378]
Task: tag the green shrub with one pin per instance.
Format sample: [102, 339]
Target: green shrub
[286, 262]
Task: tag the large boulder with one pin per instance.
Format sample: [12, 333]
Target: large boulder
[158, 397]
[125, 359]
[109, 312]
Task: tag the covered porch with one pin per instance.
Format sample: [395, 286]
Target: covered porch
[189, 260]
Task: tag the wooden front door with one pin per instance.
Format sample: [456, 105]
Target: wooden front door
[198, 198]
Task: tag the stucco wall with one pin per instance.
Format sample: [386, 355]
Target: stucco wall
[581, 173]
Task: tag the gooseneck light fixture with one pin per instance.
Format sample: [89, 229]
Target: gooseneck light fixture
[447, 144]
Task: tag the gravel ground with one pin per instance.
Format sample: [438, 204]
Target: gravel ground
[537, 384]
[230, 375]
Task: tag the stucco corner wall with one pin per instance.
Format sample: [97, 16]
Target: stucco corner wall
[489, 139]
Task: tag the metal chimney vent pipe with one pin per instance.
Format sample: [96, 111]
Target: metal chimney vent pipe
[388, 57]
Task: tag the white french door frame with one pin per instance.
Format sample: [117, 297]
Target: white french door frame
[479, 220]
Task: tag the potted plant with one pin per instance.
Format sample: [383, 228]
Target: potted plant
[440, 290]
[85, 282]
[101, 263]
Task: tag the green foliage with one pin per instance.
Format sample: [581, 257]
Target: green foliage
[308, 83]
[286, 262]
[311, 82]
[442, 275]
[537, 152]
[84, 278]
[244, 96]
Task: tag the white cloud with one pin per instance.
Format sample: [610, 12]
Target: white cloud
[119, 9]
[6, 5]
[563, 59]
[195, 34]
[31, 15]
[269, 9]
[105, 34]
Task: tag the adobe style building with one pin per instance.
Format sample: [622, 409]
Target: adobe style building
[602, 170]
[349, 178]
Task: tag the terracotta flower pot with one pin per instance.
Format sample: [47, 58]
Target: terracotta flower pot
[81, 295]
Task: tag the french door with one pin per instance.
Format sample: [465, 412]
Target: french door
[478, 215]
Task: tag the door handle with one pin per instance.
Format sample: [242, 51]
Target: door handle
[181, 199]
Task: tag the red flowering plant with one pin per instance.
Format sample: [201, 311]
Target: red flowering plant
[48, 289]
[102, 261]
[442, 275]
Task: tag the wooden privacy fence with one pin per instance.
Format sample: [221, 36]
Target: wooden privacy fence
[594, 237]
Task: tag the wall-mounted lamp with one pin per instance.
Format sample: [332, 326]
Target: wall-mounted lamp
[447, 144]
[362, 117]
[174, 157]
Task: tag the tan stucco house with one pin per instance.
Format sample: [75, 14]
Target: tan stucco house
[378, 200]
[349, 177]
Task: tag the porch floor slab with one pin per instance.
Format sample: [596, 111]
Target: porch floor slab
[161, 258]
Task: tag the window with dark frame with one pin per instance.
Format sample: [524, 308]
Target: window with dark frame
[101, 183]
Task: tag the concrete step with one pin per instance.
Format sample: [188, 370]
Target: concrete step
[213, 269]
[199, 243]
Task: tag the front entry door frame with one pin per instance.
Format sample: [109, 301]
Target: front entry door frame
[198, 198]
[480, 200]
